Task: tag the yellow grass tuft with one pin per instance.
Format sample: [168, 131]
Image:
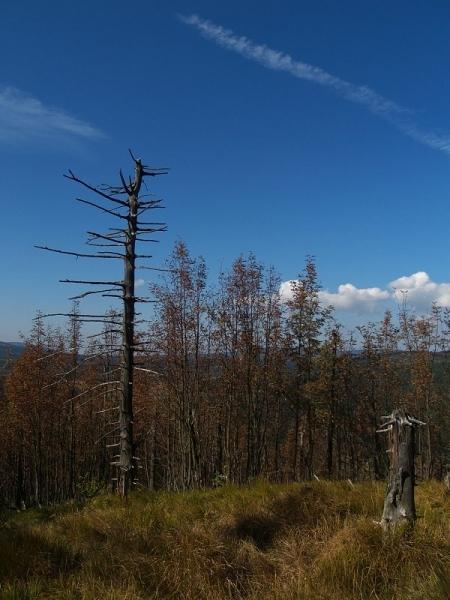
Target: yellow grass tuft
[259, 542]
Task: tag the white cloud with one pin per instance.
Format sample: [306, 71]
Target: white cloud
[139, 282]
[285, 290]
[377, 104]
[349, 297]
[23, 117]
[418, 289]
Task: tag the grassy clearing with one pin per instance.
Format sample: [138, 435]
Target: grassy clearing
[259, 542]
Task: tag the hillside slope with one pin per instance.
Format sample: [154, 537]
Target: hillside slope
[9, 351]
[259, 542]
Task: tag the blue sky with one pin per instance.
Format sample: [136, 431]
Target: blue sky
[282, 156]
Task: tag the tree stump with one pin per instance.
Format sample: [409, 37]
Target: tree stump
[447, 480]
[399, 504]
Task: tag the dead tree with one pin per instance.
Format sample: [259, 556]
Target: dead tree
[127, 204]
[399, 504]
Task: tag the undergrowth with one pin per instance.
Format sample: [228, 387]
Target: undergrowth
[258, 542]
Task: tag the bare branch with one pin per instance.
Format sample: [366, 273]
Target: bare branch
[91, 390]
[76, 315]
[108, 237]
[107, 409]
[107, 434]
[384, 430]
[150, 203]
[111, 253]
[117, 283]
[98, 245]
[106, 210]
[64, 351]
[150, 230]
[158, 269]
[149, 371]
[125, 187]
[103, 333]
[94, 189]
[416, 421]
[77, 254]
[391, 422]
[92, 292]
[63, 376]
[151, 172]
[118, 323]
[156, 229]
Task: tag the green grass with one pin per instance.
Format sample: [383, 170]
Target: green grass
[258, 542]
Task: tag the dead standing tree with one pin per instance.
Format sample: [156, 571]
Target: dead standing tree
[128, 205]
[399, 502]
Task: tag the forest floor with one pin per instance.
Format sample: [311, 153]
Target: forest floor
[259, 542]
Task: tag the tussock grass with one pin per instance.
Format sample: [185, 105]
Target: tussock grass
[258, 542]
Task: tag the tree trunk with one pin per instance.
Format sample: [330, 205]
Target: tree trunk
[126, 449]
[399, 501]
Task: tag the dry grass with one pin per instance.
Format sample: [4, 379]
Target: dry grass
[259, 542]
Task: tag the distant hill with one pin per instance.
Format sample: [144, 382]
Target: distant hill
[9, 351]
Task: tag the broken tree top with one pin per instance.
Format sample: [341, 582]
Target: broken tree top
[399, 417]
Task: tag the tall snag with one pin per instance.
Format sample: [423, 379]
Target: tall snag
[399, 502]
[126, 204]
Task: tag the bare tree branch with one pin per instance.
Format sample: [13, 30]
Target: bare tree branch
[149, 371]
[84, 282]
[106, 210]
[94, 189]
[84, 294]
[77, 254]
[108, 237]
[91, 390]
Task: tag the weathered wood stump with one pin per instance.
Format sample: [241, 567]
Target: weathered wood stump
[399, 504]
[447, 480]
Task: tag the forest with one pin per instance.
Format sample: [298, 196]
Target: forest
[220, 438]
[232, 382]
[225, 374]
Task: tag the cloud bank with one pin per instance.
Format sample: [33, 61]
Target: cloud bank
[418, 289]
[399, 116]
[421, 291]
[349, 297]
[23, 117]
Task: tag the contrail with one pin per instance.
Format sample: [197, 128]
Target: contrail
[377, 104]
[24, 117]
